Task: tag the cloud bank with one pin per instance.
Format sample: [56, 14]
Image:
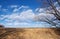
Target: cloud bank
[26, 17]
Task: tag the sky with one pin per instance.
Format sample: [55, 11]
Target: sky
[21, 13]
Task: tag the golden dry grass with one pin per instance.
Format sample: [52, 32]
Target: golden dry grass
[30, 33]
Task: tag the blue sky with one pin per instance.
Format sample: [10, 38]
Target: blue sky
[21, 13]
[33, 4]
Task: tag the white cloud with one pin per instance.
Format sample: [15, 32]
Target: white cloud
[4, 10]
[23, 16]
[18, 18]
[43, 16]
[56, 4]
[26, 16]
[15, 10]
[13, 6]
[2, 17]
[21, 7]
[40, 10]
[20, 23]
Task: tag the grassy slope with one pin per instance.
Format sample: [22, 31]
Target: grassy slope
[35, 33]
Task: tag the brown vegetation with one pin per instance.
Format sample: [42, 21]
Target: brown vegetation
[35, 33]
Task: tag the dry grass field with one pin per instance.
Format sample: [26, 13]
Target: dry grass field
[29, 33]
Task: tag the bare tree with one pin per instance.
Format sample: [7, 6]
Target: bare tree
[51, 3]
[51, 9]
[50, 6]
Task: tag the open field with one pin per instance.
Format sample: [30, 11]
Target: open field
[29, 33]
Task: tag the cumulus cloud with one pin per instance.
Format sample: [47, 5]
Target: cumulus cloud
[43, 16]
[17, 23]
[22, 18]
[26, 16]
